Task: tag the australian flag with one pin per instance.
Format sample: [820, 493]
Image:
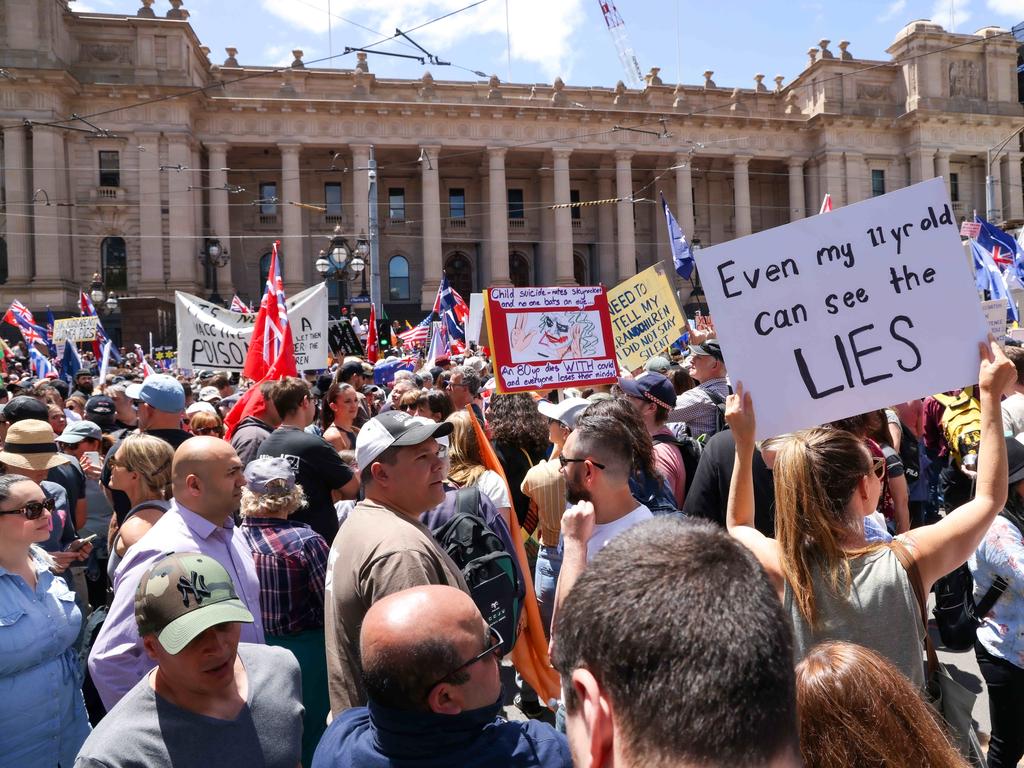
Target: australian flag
[1001, 245]
[682, 256]
[70, 363]
[453, 311]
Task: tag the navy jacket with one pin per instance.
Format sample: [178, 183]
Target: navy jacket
[376, 736]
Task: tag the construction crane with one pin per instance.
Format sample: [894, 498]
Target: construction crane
[617, 29]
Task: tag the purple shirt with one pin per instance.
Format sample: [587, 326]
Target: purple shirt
[118, 660]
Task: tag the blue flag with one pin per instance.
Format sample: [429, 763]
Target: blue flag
[988, 277]
[70, 363]
[1002, 246]
[384, 373]
[49, 329]
[682, 256]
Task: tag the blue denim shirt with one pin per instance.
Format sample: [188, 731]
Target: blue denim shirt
[1001, 553]
[42, 713]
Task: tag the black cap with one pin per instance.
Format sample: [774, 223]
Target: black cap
[710, 347]
[24, 407]
[100, 409]
[348, 370]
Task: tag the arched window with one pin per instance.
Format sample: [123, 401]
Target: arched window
[519, 270]
[459, 272]
[114, 264]
[3, 261]
[398, 278]
[579, 269]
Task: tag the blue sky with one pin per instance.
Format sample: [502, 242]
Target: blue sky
[735, 38]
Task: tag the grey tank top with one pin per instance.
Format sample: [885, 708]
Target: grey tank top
[880, 613]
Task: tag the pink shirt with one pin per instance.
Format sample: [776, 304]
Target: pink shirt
[669, 462]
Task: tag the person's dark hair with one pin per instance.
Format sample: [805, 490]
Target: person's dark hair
[515, 421]
[287, 395]
[219, 380]
[681, 380]
[441, 381]
[402, 680]
[389, 457]
[469, 377]
[7, 481]
[326, 414]
[1016, 356]
[267, 390]
[440, 403]
[614, 425]
[709, 680]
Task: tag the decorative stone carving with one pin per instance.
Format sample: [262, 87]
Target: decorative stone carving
[176, 11]
[231, 61]
[145, 11]
[297, 63]
[825, 52]
[533, 93]
[737, 103]
[651, 78]
[759, 86]
[964, 80]
[426, 90]
[361, 63]
[708, 82]
[620, 93]
[872, 92]
[205, 50]
[778, 83]
[812, 53]
[792, 108]
[359, 86]
[106, 53]
[678, 96]
[494, 89]
[558, 97]
[843, 53]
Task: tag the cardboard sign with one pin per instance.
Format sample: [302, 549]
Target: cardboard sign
[970, 229]
[550, 338]
[645, 317]
[211, 336]
[995, 316]
[342, 338]
[475, 321]
[836, 315]
[75, 329]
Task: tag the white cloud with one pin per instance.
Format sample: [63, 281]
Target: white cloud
[541, 30]
[952, 15]
[894, 9]
[1012, 8]
[281, 55]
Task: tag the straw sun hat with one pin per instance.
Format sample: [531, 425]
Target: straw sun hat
[31, 444]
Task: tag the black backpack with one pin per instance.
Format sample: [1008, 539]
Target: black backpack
[689, 448]
[956, 614]
[489, 570]
[654, 495]
[720, 423]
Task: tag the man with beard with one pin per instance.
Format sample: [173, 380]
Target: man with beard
[83, 384]
[596, 461]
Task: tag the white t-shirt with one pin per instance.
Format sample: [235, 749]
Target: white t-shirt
[1013, 414]
[605, 532]
[490, 482]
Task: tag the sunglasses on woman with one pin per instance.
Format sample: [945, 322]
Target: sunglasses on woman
[207, 431]
[33, 510]
[878, 466]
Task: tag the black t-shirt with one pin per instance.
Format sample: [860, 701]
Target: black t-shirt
[119, 499]
[516, 462]
[708, 496]
[318, 469]
[72, 479]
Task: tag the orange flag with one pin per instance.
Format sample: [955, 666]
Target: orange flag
[530, 654]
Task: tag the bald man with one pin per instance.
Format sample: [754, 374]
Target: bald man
[430, 667]
[207, 482]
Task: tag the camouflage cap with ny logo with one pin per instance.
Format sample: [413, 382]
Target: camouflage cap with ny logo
[182, 595]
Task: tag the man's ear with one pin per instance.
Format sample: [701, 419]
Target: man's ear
[594, 710]
[150, 643]
[194, 485]
[444, 699]
[380, 471]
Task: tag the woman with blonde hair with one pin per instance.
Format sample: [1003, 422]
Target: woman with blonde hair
[857, 711]
[206, 422]
[141, 468]
[466, 466]
[832, 581]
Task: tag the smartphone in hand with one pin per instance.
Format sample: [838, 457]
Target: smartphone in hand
[77, 544]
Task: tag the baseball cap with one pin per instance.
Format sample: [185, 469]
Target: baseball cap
[159, 391]
[394, 429]
[183, 595]
[271, 475]
[566, 411]
[24, 407]
[348, 370]
[200, 408]
[78, 431]
[657, 364]
[100, 409]
[651, 386]
[710, 347]
[207, 394]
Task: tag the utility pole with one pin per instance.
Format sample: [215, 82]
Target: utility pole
[375, 297]
[991, 156]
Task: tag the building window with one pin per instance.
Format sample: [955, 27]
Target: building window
[110, 168]
[877, 182]
[515, 204]
[268, 198]
[574, 197]
[3, 261]
[396, 203]
[459, 272]
[398, 278]
[456, 203]
[265, 269]
[579, 269]
[954, 187]
[332, 199]
[519, 270]
[114, 264]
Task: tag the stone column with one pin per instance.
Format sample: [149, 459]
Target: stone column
[498, 216]
[545, 274]
[796, 188]
[624, 209]
[46, 241]
[359, 212]
[856, 182]
[1014, 202]
[997, 191]
[833, 169]
[563, 219]
[922, 165]
[291, 215]
[684, 194]
[942, 166]
[17, 195]
[184, 247]
[431, 190]
[220, 213]
[151, 250]
[741, 194]
[976, 169]
[605, 229]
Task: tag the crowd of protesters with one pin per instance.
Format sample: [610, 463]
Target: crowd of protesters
[173, 592]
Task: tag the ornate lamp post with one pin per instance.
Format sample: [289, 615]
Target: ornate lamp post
[338, 263]
[213, 257]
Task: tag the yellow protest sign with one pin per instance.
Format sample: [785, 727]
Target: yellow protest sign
[645, 316]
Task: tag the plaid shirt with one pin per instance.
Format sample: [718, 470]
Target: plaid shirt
[291, 564]
[697, 409]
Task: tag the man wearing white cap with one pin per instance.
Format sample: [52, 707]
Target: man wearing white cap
[383, 547]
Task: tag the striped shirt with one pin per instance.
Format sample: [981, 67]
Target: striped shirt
[697, 409]
[544, 484]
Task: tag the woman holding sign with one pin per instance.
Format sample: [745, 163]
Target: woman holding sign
[834, 583]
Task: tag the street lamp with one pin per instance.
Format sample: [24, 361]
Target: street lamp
[213, 257]
[991, 155]
[338, 263]
[101, 300]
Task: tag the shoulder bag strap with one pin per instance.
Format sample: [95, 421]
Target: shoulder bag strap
[910, 565]
[467, 500]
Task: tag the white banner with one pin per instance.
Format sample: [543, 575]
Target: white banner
[847, 312]
[211, 336]
[75, 329]
[475, 321]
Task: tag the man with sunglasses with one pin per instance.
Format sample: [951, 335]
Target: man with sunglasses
[430, 668]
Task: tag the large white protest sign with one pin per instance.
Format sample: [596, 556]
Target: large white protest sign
[475, 321]
[995, 316]
[847, 312]
[210, 336]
